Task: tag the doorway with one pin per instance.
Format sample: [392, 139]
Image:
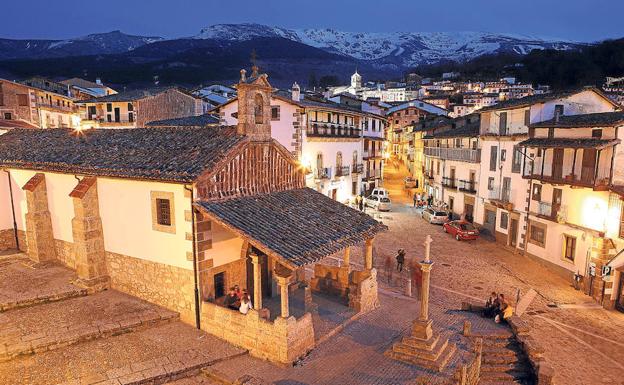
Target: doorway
[219, 285]
[557, 166]
[619, 302]
[334, 194]
[556, 203]
[513, 232]
[489, 221]
[117, 115]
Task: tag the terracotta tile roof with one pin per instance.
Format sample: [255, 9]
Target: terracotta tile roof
[603, 119]
[133, 95]
[83, 187]
[167, 154]
[470, 130]
[33, 182]
[569, 143]
[6, 123]
[187, 121]
[300, 226]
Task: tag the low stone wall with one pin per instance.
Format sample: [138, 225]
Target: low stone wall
[164, 285]
[332, 280]
[363, 294]
[533, 350]
[65, 253]
[284, 340]
[7, 239]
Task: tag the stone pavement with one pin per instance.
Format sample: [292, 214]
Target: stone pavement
[77, 319]
[22, 284]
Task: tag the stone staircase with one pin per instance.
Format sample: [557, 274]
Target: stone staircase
[434, 354]
[504, 362]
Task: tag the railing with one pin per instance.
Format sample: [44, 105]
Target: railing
[500, 194]
[469, 186]
[373, 174]
[449, 182]
[343, 171]
[357, 168]
[54, 106]
[371, 154]
[581, 175]
[460, 154]
[546, 210]
[323, 173]
[333, 130]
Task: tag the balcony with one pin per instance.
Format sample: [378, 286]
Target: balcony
[546, 210]
[55, 107]
[371, 154]
[332, 130]
[449, 182]
[323, 173]
[459, 154]
[343, 171]
[597, 177]
[501, 197]
[373, 174]
[469, 186]
[357, 168]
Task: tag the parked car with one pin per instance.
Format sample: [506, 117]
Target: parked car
[410, 182]
[380, 192]
[461, 230]
[378, 202]
[435, 216]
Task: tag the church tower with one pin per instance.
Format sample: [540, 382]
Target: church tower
[356, 80]
[254, 106]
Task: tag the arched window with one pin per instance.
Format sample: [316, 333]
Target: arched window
[258, 108]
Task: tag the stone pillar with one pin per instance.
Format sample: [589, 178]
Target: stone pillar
[422, 326]
[87, 232]
[368, 254]
[257, 280]
[39, 235]
[347, 257]
[283, 284]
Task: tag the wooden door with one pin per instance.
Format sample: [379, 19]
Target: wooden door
[117, 114]
[588, 166]
[557, 167]
[513, 232]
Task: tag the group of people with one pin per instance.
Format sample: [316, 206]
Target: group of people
[238, 300]
[359, 202]
[497, 307]
[422, 201]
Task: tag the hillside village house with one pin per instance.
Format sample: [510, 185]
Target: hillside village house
[452, 161]
[502, 204]
[418, 132]
[328, 139]
[23, 106]
[576, 220]
[136, 108]
[177, 215]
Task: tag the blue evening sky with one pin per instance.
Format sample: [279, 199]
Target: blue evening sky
[581, 20]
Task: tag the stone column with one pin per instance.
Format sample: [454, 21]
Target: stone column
[257, 280]
[368, 254]
[39, 235]
[422, 326]
[283, 284]
[87, 232]
[347, 257]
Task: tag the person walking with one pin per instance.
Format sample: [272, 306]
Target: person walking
[361, 202]
[416, 199]
[400, 259]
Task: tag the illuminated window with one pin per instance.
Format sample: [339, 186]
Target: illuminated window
[537, 192]
[569, 249]
[537, 234]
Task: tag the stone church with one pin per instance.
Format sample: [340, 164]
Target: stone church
[176, 216]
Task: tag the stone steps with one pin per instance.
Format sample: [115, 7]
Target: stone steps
[438, 364]
[431, 354]
[41, 342]
[42, 298]
[504, 363]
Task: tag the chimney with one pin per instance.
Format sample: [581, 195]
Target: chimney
[98, 81]
[296, 92]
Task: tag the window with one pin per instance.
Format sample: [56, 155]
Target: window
[502, 123]
[558, 110]
[275, 112]
[597, 133]
[537, 234]
[7, 115]
[569, 249]
[109, 118]
[516, 163]
[438, 167]
[109, 107]
[504, 220]
[338, 161]
[537, 192]
[22, 100]
[130, 107]
[130, 117]
[527, 117]
[163, 213]
[503, 155]
[493, 156]
[491, 183]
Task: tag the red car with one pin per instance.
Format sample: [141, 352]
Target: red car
[461, 230]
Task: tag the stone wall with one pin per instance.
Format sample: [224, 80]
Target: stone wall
[7, 239]
[65, 253]
[332, 280]
[363, 294]
[235, 274]
[283, 341]
[164, 285]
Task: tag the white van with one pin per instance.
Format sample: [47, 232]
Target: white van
[380, 192]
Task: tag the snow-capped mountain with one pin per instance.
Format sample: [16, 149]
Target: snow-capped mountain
[94, 44]
[401, 48]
